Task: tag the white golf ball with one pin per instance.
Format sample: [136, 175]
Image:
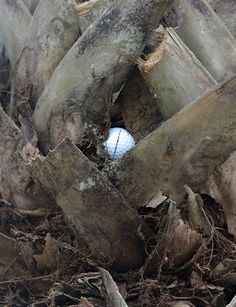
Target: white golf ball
[118, 143]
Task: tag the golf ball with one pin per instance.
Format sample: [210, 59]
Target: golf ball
[118, 143]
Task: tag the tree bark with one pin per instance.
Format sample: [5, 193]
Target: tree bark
[16, 185]
[173, 73]
[225, 9]
[31, 5]
[97, 211]
[77, 94]
[221, 187]
[204, 33]
[139, 107]
[171, 77]
[14, 28]
[96, 11]
[184, 150]
[52, 31]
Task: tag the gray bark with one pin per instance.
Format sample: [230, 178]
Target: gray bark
[221, 186]
[16, 185]
[31, 5]
[14, 28]
[139, 107]
[96, 210]
[173, 74]
[205, 34]
[96, 11]
[77, 94]
[171, 77]
[184, 150]
[52, 31]
[226, 9]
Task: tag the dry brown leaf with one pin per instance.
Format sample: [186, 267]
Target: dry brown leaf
[48, 260]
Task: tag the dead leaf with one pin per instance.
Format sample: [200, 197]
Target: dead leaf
[48, 260]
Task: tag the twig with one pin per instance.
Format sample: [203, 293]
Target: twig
[27, 279]
[8, 267]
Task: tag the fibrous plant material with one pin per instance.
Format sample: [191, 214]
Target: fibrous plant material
[176, 244]
[88, 75]
[185, 149]
[96, 210]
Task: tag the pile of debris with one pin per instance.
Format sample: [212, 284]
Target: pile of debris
[155, 227]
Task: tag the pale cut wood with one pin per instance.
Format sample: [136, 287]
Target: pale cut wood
[94, 208]
[173, 74]
[186, 149]
[78, 92]
[205, 34]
